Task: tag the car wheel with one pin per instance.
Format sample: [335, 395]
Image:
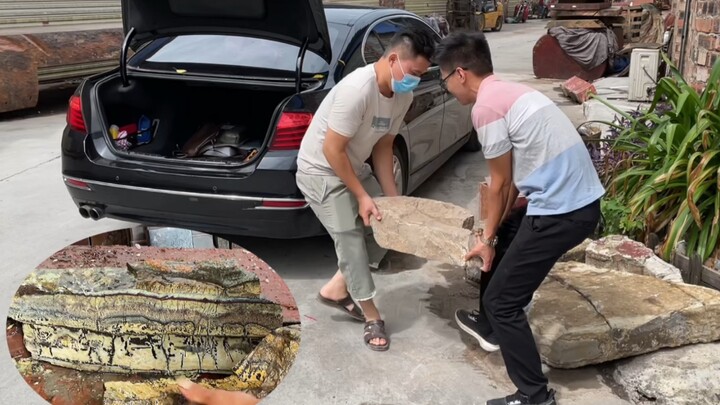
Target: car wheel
[498, 23]
[473, 143]
[400, 170]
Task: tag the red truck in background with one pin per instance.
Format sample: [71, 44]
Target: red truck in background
[46, 44]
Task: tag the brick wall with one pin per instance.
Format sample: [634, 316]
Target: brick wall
[703, 41]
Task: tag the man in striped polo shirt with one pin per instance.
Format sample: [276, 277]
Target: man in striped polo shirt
[532, 148]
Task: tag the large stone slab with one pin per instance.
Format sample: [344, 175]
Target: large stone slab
[623, 254]
[152, 316]
[273, 286]
[684, 376]
[149, 314]
[222, 278]
[206, 278]
[259, 373]
[430, 229]
[585, 315]
[123, 301]
[135, 353]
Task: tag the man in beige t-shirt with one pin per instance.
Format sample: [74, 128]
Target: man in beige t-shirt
[359, 119]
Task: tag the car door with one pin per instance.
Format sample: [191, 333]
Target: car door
[424, 119]
[456, 124]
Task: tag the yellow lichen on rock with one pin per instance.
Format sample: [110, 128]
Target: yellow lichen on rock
[259, 374]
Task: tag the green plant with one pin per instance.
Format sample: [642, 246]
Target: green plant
[618, 220]
[670, 173]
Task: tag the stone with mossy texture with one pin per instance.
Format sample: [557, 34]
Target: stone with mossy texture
[433, 230]
[154, 316]
[259, 374]
[208, 277]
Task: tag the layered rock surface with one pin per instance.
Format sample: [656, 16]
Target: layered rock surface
[259, 374]
[425, 228]
[587, 315]
[153, 316]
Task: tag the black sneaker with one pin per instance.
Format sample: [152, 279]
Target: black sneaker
[520, 399]
[468, 322]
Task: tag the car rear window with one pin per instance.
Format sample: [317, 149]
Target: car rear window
[229, 50]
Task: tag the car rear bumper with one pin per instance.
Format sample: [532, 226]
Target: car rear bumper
[278, 218]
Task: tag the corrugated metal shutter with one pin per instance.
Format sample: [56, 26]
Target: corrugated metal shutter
[36, 13]
[426, 7]
[374, 3]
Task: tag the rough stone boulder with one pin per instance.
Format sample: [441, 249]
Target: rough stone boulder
[682, 376]
[259, 374]
[153, 316]
[587, 315]
[430, 229]
[623, 254]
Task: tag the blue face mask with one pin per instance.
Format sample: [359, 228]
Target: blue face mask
[407, 84]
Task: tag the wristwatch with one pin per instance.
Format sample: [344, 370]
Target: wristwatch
[491, 242]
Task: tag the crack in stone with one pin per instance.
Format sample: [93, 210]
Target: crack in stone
[567, 285]
[675, 286]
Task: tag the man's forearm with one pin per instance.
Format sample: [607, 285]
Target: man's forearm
[340, 163]
[512, 197]
[383, 167]
[497, 202]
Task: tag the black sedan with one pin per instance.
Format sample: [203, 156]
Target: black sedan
[199, 128]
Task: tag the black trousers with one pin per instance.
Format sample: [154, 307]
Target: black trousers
[528, 247]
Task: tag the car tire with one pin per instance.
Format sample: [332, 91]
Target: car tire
[473, 143]
[498, 24]
[400, 169]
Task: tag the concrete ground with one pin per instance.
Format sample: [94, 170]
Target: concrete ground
[430, 362]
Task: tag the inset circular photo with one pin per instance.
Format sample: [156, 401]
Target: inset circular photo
[128, 317]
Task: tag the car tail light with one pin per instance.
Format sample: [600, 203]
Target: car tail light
[78, 184]
[75, 116]
[290, 130]
[284, 204]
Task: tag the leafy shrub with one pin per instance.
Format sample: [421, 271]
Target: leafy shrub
[665, 164]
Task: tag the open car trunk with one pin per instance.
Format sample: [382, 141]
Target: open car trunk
[188, 122]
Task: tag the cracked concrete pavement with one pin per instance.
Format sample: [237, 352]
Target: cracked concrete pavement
[429, 362]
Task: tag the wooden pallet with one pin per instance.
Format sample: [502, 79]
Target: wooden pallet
[694, 272]
[633, 24]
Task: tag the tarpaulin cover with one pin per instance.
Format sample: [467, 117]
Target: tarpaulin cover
[590, 48]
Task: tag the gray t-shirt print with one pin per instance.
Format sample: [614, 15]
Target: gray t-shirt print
[380, 123]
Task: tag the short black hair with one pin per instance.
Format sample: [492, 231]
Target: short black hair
[466, 50]
[415, 42]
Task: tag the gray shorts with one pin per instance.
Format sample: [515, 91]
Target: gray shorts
[337, 209]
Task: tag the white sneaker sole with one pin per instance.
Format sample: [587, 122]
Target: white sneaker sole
[484, 344]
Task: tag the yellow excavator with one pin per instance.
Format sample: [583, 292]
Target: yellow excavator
[475, 15]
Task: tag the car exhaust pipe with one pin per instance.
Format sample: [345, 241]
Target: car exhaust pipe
[96, 213]
[84, 211]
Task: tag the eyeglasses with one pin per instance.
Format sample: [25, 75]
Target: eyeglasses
[443, 82]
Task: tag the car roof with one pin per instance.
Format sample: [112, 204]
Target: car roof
[349, 15]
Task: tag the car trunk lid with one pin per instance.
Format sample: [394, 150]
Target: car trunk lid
[297, 22]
